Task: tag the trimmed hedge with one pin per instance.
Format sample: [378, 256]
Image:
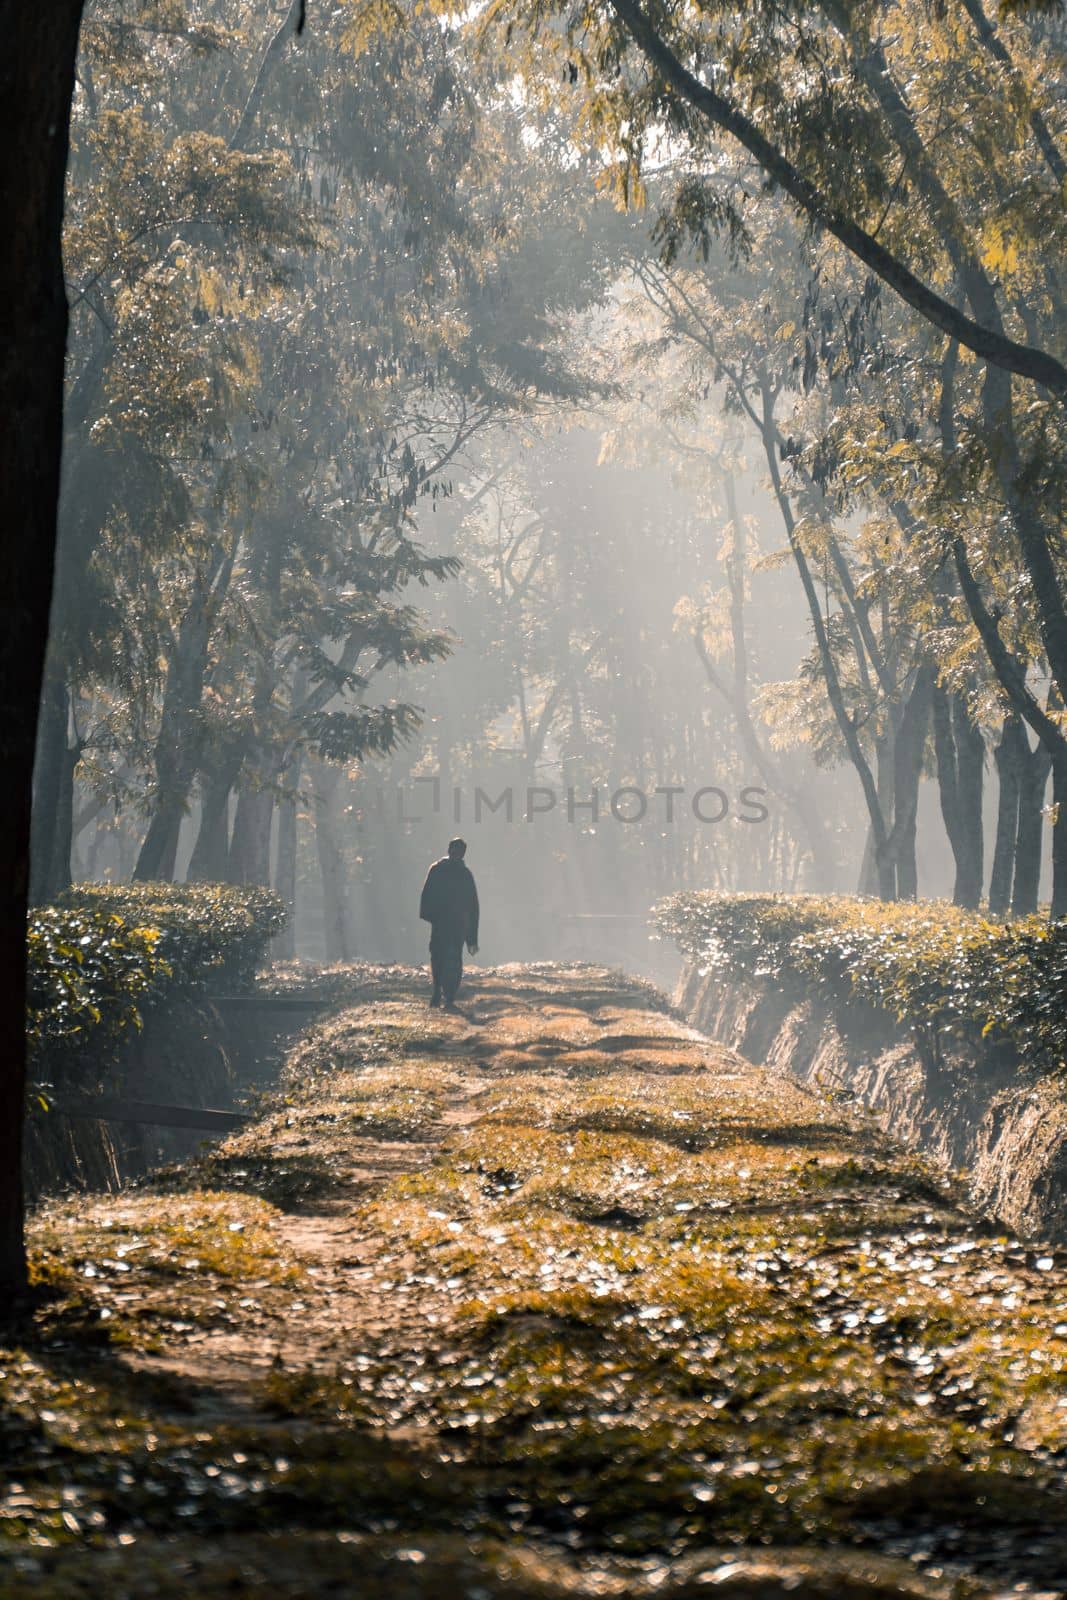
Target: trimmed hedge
[928, 964]
[104, 953]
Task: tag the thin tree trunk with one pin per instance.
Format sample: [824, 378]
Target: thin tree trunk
[884, 861]
[970, 770]
[1011, 750]
[1032, 784]
[331, 865]
[884, 774]
[48, 775]
[1059, 836]
[285, 865]
[737, 696]
[909, 746]
[36, 83]
[63, 843]
[177, 750]
[1011, 675]
[960, 751]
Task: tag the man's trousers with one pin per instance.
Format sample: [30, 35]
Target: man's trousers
[446, 963]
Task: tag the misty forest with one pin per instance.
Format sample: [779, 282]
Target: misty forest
[534, 994]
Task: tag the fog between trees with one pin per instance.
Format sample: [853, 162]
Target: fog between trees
[403, 462]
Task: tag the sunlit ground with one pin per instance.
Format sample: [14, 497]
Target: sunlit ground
[552, 1298]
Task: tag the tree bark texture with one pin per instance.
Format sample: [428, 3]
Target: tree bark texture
[1009, 756]
[908, 747]
[285, 865]
[210, 860]
[1033, 782]
[331, 865]
[960, 751]
[177, 751]
[36, 83]
[48, 776]
[250, 845]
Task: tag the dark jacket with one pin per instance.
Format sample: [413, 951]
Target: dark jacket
[450, 900]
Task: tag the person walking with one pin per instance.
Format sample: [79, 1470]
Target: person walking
[450, 905]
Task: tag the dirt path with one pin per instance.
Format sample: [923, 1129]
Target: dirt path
[554, 1298]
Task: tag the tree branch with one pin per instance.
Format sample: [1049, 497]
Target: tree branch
[996, 348]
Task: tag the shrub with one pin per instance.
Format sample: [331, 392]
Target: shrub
[930, 965]
[104, 953]
[208, 932]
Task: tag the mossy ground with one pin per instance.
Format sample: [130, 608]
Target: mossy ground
[552, 1299]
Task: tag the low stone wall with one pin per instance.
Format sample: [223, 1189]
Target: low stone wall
[978, 1111]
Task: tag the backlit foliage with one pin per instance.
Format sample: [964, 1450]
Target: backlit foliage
[98, 959]
[931, 966]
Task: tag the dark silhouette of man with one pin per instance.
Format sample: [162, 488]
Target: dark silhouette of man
[450, 905]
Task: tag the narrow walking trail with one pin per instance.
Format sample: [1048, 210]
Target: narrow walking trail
[553, 1298]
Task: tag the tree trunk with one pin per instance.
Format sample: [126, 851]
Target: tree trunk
[737, 696]
[909, 745]
[159, 848]
[250, 845]
[178, 744]
[49, 769]
[331, 866]
[970, 776]
[1032, 784]
[92, 853]
[1059, 836]
[1009, 755]
[63, 844]
[36, 82]
[886, 871]
[210, 860]
[884, 780]
[960, 752]
[867, 884]
[1011, 674]
[285, 865]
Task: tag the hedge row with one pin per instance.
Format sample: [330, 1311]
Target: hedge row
[927, 963]
[104, 953]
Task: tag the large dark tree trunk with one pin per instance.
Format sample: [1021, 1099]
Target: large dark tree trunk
[159, 849]
[36, 82]
[1010, 755]
[250, 845]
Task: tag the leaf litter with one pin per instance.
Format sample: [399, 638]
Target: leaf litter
[553, 1298]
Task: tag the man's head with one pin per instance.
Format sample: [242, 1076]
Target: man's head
[457, 849]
